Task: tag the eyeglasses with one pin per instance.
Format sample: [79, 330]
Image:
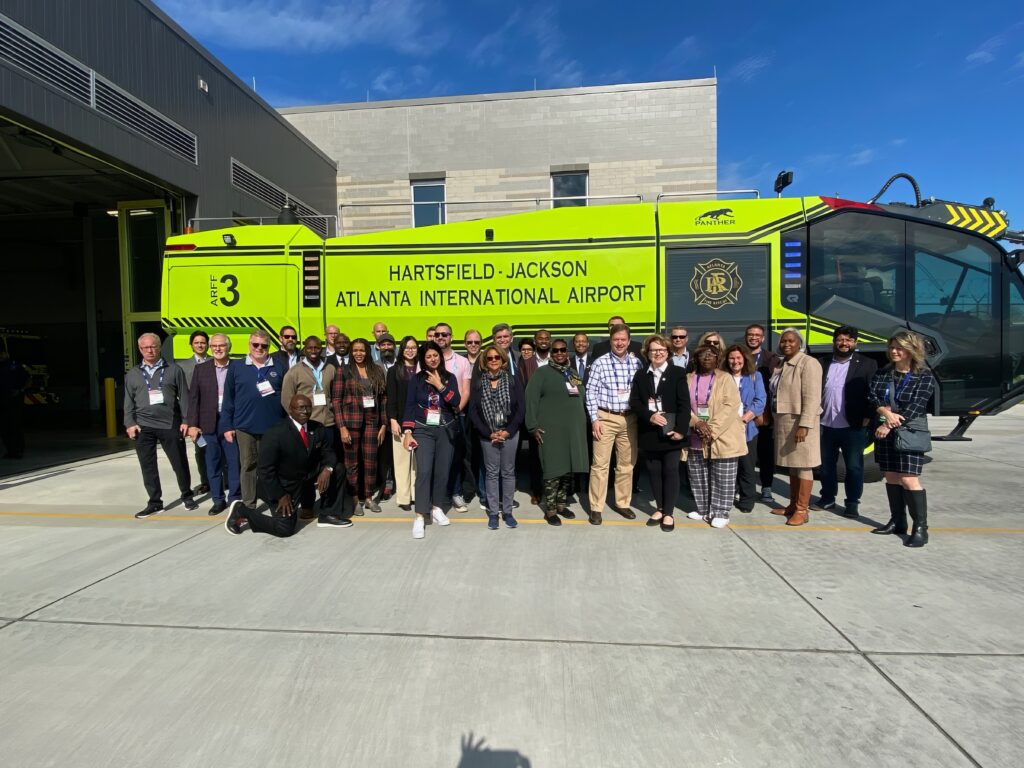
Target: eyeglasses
[149, 347]
[713, 342]
[674, 336]
[289, 336]
[559, 350]
[489, 358]
[441, 334]
[657, 351]
[218, 346]
[257, 345]
[474, 343]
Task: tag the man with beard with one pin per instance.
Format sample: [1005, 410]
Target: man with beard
[540, 358]
[385, 349]
[379, 330]
[288, 355]
[845, 418]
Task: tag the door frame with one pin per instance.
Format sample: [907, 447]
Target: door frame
[128, 315]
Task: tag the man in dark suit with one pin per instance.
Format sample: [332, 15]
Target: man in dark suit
[204, 400]
[754, 338]
[845, 418]
[604, 347]
[291, 452]
[200, 343]
[581, 359]
[339, 359]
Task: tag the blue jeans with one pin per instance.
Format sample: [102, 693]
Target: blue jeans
[221, 454]
[851, 441]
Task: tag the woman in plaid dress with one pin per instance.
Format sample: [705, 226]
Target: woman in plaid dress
[900, 392]
[360, 408]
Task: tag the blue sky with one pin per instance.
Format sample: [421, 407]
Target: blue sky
[843, 94]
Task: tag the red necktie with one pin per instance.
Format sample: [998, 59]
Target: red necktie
[304, 436]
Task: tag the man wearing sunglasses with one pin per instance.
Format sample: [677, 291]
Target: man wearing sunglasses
[460, 368]
[252, 404]
[679, 338]
[287, 356]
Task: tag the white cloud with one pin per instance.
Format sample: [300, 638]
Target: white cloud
[747, 69]
[685, 50]
[1020, 61]
[861, 157]
[307, 25]
[746, 174]
[397, 82]
[530, 41]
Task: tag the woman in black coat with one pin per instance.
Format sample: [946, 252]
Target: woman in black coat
[660, 398]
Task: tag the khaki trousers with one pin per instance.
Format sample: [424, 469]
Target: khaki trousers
[618, 432]
[405, 471]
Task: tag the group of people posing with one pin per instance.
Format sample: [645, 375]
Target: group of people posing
[417, 420]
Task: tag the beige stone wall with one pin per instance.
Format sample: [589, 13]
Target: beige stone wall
[642, 139]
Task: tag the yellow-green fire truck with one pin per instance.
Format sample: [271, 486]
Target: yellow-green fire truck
[813, 263]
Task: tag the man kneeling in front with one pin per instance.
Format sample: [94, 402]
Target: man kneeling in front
[292, 451]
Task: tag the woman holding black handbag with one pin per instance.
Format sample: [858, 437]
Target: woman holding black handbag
[900, 393]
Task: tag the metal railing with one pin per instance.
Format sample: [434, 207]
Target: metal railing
[754, 192]
[327, 219]
[442, 205]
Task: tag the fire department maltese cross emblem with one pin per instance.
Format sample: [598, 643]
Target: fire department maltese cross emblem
[716, 283]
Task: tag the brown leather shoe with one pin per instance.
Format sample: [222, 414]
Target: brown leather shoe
[626, 512]
[535, 500]
[595, 518]
[306, 514]
[790, 508]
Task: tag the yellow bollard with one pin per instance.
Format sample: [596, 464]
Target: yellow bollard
[111, 409]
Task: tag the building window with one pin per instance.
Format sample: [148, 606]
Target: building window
[428, 203]
[569, 189]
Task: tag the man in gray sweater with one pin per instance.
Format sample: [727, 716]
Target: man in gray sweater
[155, 407]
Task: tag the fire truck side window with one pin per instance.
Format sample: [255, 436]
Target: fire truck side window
[1013, 335]
[857, 257]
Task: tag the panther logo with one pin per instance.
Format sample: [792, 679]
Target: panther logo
[718, 216]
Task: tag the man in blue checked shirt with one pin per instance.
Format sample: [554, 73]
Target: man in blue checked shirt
[613, 424]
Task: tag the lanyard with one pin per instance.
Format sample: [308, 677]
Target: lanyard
[261, 374]
[149, 379]
[433, 400]
[707, 391]
[318, 374]
[900, 386]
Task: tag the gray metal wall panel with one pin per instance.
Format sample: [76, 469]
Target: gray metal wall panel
[132, 44]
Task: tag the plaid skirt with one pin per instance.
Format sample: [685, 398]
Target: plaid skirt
[891, 460]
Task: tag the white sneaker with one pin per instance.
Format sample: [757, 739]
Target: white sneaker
[418, 527]
[719, 522]
[484, 507]
[695, 515]
[439, 517]
[459, 503]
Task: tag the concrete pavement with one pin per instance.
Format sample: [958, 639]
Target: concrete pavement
[167, 642]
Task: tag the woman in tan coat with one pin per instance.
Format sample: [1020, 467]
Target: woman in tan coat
[796, 404]
[717, 438]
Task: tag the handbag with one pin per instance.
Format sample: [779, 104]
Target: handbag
[913, 436]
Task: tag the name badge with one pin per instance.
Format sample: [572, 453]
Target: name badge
[433, 417]
[572, 389]
[703, 413]
[265, 388]
[319, 398]
[156, 397]
[369, 402]
[220, 402]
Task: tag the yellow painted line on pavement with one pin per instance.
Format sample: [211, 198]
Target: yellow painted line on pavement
[521, 521]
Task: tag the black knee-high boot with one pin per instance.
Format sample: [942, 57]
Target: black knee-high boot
[897, 512]
[917, 504]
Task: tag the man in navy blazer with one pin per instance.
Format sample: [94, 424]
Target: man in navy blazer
[292, 452]
[845, 418]
[205, 394]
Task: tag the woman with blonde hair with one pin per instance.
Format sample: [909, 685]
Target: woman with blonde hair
[900, 393]
[795, 390]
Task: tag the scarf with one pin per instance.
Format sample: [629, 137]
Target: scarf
[571, 376]
[496, 402]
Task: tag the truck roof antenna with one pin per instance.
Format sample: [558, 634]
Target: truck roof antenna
[908, 177]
